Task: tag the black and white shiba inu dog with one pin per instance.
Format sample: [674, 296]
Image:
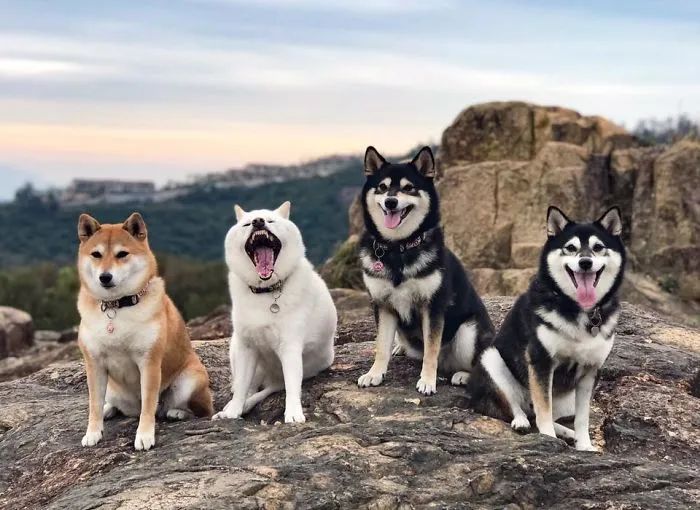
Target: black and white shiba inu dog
[559, 333]
[419, 289]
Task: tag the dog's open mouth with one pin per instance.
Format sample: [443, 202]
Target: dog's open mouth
[585, 284]
[262, 248]
[392, 219]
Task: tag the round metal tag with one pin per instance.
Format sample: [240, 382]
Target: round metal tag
[595, 330]
[274, 308]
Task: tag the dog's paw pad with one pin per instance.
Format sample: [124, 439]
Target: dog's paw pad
[176, 414]
[370, 379]
[145, 440]
[426, 387]
[460, 378]
[520, 424]
[91, 438]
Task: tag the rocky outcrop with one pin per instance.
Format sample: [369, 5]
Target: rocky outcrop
[385, 447]
[16, 331]
[502, 164]
[517, 131]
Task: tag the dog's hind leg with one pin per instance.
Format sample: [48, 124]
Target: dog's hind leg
[509, 389]
[459, 356]
[117, 399]
[189, 392]
[261, 395]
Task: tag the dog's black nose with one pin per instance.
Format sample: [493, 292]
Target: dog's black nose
[105, 278]
[258, 223]
[391, 203]
[585, 263]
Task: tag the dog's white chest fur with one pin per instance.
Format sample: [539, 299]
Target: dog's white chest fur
[404, 297]
[571, 342]
[135, 332]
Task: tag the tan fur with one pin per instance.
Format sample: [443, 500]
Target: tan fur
[432, 342]
[542, 401]
[150, 348]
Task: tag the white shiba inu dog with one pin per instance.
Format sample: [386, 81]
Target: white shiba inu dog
[284, 319]
[134, 341]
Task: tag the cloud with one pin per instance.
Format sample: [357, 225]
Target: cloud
[366, 6]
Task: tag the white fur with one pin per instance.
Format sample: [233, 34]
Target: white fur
[271, 350]
[404, 297]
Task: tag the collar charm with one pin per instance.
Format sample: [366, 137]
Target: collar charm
[596, 320]
[109, 308]
[276, 291]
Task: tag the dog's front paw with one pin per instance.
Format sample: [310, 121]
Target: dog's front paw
[91, 438]
[226, 415]
[145, 440]
[426, 386]
[586, 446]
[520, 423]
[294, 414]
[370, 379]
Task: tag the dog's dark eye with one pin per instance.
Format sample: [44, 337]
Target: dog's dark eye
[597, 247]
[570, 248]
[381, 188]
[246, 224]
[122, 254]
[408, 188]
[96, 254]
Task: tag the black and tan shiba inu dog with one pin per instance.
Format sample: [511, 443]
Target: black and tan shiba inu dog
[559, 333]
[419, 289]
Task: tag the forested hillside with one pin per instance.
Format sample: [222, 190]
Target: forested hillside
[191, 226]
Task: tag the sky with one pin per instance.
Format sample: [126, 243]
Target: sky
[163, 90]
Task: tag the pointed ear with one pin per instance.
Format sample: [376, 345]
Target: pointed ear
[239, 212]
[283, 210]
[135, 225]
[556, 221]
[425, 162]
[87, 226]
[373, 161]
[611, 221]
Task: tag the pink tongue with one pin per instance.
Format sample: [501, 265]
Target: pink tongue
[392, 219]
[264, 261]
[585, 292]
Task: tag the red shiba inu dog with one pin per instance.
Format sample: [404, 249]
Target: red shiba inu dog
[136, 348]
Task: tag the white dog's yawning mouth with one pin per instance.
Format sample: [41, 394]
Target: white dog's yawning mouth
[262, 248]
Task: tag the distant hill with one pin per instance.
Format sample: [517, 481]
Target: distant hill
[193, 224]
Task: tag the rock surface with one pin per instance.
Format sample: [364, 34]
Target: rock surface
[502, 164]
[16, 331]
[385, 447]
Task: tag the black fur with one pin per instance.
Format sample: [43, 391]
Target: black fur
[456, 299]
[517, 340]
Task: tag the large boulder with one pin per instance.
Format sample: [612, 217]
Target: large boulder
[386, 447]
[16, 331]
[517, 131]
